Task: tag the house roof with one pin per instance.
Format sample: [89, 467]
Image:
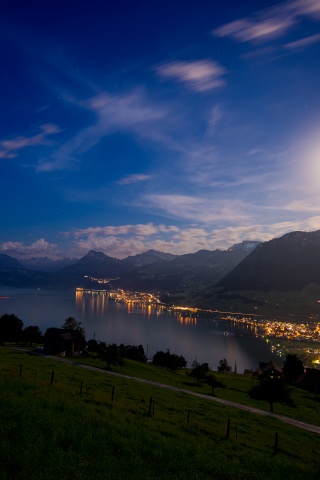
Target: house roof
[268, 367]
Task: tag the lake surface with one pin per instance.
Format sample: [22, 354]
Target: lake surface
[201, 339]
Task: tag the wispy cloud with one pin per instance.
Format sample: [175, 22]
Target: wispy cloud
[127, 240]
[11, 148]
[304, 205]
[138, 229]
[303, 42]
[305, 7]
[201, 75]
[198, 208]
[131, 113]
[135, 178]
[38, 248]
[247, 30]
[271, 22]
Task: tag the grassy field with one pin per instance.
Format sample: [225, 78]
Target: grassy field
[90, 425]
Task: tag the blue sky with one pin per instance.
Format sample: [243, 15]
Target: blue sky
[177, 126]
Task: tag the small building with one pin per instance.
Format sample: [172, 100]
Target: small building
[60, 342]
[269, 369]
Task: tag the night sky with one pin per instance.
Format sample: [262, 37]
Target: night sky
[174, 125]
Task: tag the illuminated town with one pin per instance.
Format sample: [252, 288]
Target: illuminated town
[284, 336]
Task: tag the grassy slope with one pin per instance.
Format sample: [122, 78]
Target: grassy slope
[237, 386]
[51, 431]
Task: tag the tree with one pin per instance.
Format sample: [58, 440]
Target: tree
[293, 368]
[133, 352]
[223, 366]
[109, 354]
[169, 360]
[199, 371]
[93, 346]
[214, 382]
[32, 334]
[71, 323]
[10, 328]
[272, 389]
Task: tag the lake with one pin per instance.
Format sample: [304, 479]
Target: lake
[201, 339]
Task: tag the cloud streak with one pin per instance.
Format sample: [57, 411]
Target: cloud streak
[270, 23]
[303, 42]
[130, 112]
[200, 76]
[11, 148]
[135, 178]
[139, 229]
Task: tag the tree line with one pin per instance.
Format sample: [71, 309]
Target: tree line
[272, 387]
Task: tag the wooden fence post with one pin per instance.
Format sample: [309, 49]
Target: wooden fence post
[112, 394]
[150, 407]
[276, 443]
[228, 429]
[314, 458]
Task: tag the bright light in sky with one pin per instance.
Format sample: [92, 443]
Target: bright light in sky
[176, 126]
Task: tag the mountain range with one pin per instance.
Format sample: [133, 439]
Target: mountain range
[248, 273]
[149, 271]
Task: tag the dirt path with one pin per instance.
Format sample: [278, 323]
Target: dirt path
[256, 411]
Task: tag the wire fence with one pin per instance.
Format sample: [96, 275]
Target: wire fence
[121, 395]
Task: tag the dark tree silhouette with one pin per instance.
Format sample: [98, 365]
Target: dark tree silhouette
[93, 346]
[224, 366]
[293, 368]
[169, 360]
[71, 323]
[133, 352]
[10, 328]
[272, 389]
[199, 371]
[214, 382]
[109, 354]
[32, 334]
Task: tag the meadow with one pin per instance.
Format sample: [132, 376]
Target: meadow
[82, 424]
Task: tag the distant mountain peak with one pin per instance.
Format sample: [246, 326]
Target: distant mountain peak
[148, 257]
[247, 245]
[290, 262]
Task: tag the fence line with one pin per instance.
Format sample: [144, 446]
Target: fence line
[155, 408]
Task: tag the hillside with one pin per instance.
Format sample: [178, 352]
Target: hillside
[291, 262]
[61, 431]
[9, 262]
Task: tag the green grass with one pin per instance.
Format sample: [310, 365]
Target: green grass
[53, 431]
[237, 386]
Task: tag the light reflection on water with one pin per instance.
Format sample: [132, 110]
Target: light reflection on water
[203, 339]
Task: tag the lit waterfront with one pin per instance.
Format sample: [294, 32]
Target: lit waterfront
[284, 336]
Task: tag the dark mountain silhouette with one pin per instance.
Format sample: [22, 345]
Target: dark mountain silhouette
[95, 264]
[290, 262]
[146, 258]
[47, 264]
[8, 262]
[21, 277]
[149, 271]
[185, 272]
